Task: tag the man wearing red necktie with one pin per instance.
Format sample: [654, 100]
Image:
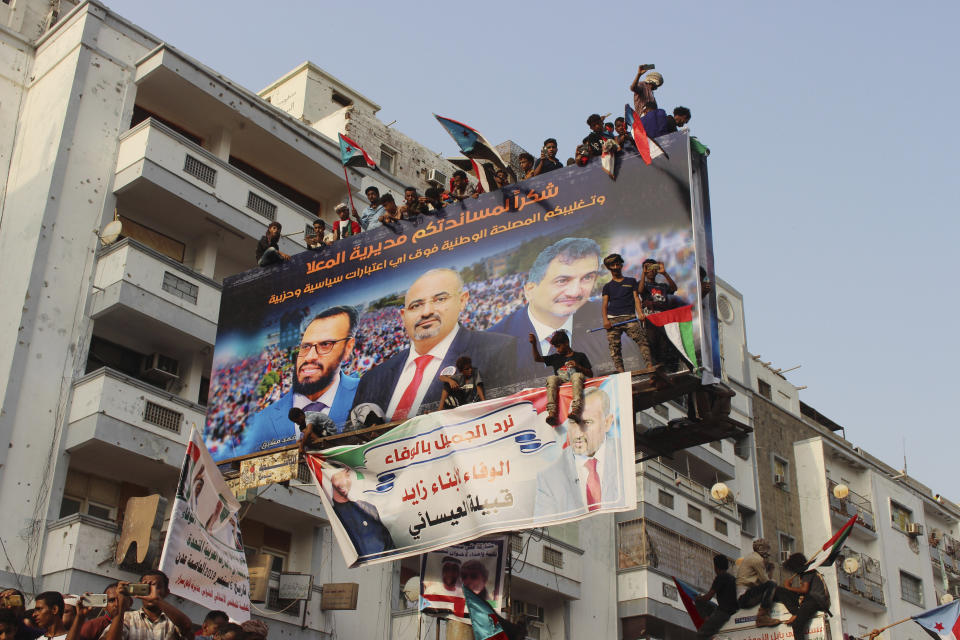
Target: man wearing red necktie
[588, 474]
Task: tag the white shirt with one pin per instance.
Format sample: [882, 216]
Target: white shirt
[581, 463]
[544, 332]
[438, 352]
[327, 398]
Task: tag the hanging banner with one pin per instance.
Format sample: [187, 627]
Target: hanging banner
[334, 332]
[452, 476]
[203, 553]
[479, 565]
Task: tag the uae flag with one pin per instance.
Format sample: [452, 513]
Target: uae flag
[943, 622]
[687, 596]
[647, 147]
[471, 143]
[678, 325]
[353, 155]
[828, 554]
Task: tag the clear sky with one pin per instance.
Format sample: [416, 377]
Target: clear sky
[830, 167]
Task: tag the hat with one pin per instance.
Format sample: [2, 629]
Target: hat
[761, 546]
[258, 627]
[654, 77]
[340, 206]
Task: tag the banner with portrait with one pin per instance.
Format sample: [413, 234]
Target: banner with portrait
[452, 476]
[203, 553]
[478, 565]
[338, 332]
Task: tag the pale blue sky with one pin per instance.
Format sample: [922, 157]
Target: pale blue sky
[832, 150]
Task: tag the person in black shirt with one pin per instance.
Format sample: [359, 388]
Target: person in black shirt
[622, 312]
[655, 297]
[724, 587]
[268, 251]
[568, 366]
[548, 159]
[316, 241]
[803, 600]
[525, 160]
[433, 198]
[463, 387]
[596, 137]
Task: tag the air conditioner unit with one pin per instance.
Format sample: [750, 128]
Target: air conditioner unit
[779, 480]
[914, 529]
[436, 177]
[160, 368]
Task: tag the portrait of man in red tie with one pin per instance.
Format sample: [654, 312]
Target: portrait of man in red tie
[588, 475]
[431, 318]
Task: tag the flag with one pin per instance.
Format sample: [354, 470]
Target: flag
[648, 148]
[831, 548]
[353, 155]
[485, 623]
[471, 143]
[482, 182]
[678, 324]
[687, 596]
[942, 622]
[608, 159]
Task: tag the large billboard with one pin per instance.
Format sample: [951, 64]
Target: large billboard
[376, 319]
[451, 476]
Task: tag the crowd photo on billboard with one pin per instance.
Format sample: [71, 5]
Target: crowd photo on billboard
[382, 327]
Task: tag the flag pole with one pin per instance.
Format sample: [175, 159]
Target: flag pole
[876, 632]
[349, 190]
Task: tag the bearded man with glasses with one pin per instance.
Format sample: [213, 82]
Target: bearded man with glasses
[318, 383]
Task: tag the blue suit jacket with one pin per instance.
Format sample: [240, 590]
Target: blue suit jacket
[594, 345]
[493, 354]
[559, 494]
[271, 423]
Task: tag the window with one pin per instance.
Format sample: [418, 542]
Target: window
[665, 499]
[516, 544]
[262, 206]
[179, 287]
[200, 171]
[781, 470]
[341, 100]
[694, 513]
[763, 388]
[162, 416]
[787, 546]
[748, 520]
[70, 506]
[911, 589]
[204, 392]
[720, 526]
[387, 156]
[553, 557]
[900, 516]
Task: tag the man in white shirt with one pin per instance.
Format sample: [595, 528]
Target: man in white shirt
[48, 615]
[588, 474]
[431, 314]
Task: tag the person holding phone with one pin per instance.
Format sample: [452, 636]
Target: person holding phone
[548, 159]
[156, 619]
[656, 296]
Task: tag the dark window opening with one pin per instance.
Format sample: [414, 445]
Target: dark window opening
[343, 101]
[270, 182]
[140, 114]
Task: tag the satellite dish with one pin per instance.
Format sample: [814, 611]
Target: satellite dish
[411, 590]
[111, 232]
[946, 598]
[841, 491]
[851, 565]
[720, 492]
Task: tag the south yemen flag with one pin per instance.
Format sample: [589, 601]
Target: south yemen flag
[353, 155]
[484, 621]
[678, 324]
[648, 148]
[830, 550]
[471, 143]
[942, 622]
[688, 595]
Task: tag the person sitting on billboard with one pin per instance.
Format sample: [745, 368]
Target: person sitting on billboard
[413, 205]
[370, 218]
[803, 600]
[460, 187]
[317, 240]
[548, 159]
[318, 383]
[588, 473]
[643, 90]
[557, 292]
[568, 366]
[268, 249]
[525, 160]
[463, 387]
[622, 312]
[344, 227]
[431, 312]
[681, 116]
[657, 296]
[724, 588]
[391, 213]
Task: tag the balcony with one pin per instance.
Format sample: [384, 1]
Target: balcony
[549, 567]
[80, 543]
[864, 587]
[687, 487]
[946, 555]
[140, 429]
[140, 287]
[854, 504]
[176, 182]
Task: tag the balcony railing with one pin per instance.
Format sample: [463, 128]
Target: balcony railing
[853, 505]
[80, 543]
[642, 544]
[690, 488]
[866, 581]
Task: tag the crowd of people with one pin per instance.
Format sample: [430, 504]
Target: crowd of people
[64, 616]
[384, 210]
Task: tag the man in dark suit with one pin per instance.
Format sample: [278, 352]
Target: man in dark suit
[318, 383]
[431, 312]
[589, 473]
[558, 291]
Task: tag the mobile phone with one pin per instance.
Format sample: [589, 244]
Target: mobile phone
[139, 589]
[94, 600]
[649, 67]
